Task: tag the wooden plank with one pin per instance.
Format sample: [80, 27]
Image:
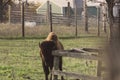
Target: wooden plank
[79, 55]
[90, 49]
[62, 18]
[99, 66]
[15, 11]
[75, 75]
[57, 14]
[56, 66]
[78, 50]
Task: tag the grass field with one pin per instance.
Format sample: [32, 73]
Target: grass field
[20, 60]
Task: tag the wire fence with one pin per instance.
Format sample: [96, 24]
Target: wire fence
[45, 18]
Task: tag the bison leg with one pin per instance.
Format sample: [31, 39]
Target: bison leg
[51, 76]
[46, 70]
[51, 68]
[60, 66]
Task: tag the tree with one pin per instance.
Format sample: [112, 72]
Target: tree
[3, 4]
[113, 53]
[114, 26]
[110, 4]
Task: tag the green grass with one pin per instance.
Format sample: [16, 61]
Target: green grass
[19, 57]
[20, 60]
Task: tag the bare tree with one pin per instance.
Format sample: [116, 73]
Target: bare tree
[110, 4]
[114, 45]
[3, 4]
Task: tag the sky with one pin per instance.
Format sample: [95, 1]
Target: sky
[63, 2]
[41, 1]
[60, 2]
[37, 0]
[66, 0]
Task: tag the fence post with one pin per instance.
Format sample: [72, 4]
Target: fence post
[98, 20]
[104, 18]
[9, 13]
[85, 16]
[48, 12]
[103, 12]
[104, 23]
[22, 19]
[51, 26]
[75, 20]
[68, 14]
[99, 66]
[56, 65]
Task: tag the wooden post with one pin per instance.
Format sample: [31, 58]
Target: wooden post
[75, 20]
[51, 27]
[22, 19]
[98, 20]
[85, 16]
[9, 12]
[48, 12]
[56, 66]
[104, 23]
[104, 18]
[99, 66]
[68, 13]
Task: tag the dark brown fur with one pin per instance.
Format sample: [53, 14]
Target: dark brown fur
[46, 48]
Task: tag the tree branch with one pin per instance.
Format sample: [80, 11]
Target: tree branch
[8, 1]
[110, 1]
[110, 7]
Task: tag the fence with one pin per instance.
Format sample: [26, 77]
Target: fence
[77, 23]
[15, 15]
[80, 54]
[41, 18]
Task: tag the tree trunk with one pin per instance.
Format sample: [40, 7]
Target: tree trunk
[114, 44]
[1, 11]
[3, 4]
[114, 24]
[111, 20]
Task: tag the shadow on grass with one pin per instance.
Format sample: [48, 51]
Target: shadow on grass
[43, 37]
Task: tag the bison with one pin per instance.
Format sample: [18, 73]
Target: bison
[46, 47]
